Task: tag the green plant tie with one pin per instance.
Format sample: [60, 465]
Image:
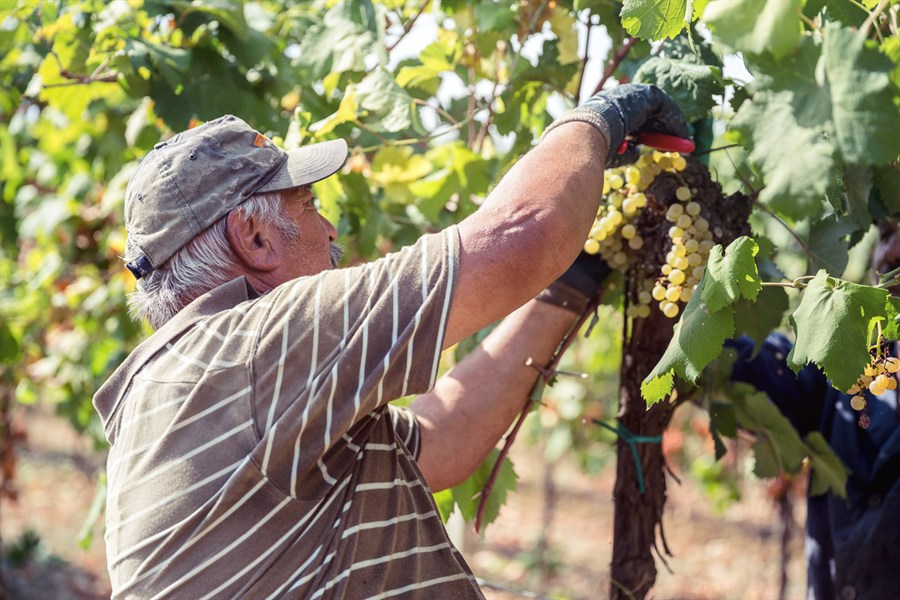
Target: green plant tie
[632, 440]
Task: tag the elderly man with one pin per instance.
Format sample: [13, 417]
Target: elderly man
[253, 450]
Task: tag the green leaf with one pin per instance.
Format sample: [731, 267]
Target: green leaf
[437, 58]
[690, 84]
[468, 493]
[657, 385]
[494, 15]
[654, 19]
[827, 245]
[887, 186]
[796, 161]
[778, 447]
[864, 102]
[755, 26]
[732, 275]
[389, 106]
[348, 33]
[891, 326]
[347, 112]
[828, 472]
[757, 319]
[697, 340]
[831, 327]
[445, 503]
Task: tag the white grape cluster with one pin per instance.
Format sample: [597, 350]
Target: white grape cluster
[617, 240]
[878, 377]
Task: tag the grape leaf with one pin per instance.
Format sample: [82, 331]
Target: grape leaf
[692, 85]
[732, 275]
[757, 319]
[796, 161]
[755, 26]
[827, 245]
[891, 326]
[469, 491]
[887, 185]
[390, 108]
[697, 340]
[653, 19]
[828, 472]
[779, 447]
[863, 100]
[831, 327]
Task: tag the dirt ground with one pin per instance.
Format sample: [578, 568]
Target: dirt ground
[729, 554]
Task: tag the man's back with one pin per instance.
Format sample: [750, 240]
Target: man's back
[253, 453]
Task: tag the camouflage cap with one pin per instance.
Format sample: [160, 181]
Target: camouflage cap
[187, 183]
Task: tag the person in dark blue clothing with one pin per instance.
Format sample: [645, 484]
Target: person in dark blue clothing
[853, 543]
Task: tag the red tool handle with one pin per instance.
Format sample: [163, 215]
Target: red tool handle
[660, 141]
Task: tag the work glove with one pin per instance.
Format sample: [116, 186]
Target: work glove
[581, 284]
[625, 110]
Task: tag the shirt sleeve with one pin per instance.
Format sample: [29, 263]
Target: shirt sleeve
[335, 347]
[406, 426]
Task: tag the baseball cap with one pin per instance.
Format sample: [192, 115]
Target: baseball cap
[190, 181]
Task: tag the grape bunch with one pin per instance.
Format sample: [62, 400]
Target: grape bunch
[878, 377]
[616, 233]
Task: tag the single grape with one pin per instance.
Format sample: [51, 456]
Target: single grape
[659, 292]
[644, 297]
[683, 193]
[643, 311]
[891, 384]
[854, 389]
[592, 246]
[870, 371]
[706, 246]
[691, 246]
[678, 250]
[678, 162]
[891, 364]
[686, 293]
[615, 217]
[629, 206]
[684, 221]
[875, 388]
[616, 181]
[698, 272]
[682, 263]
[675, 232]
[636, 243]
[628, 231]
[673, 293]
[692, 208]
[677, 276]
[640, 199]
[701, 225]
[674, 211]
[858, 402]
[632, 175]
[671, 310]
[666, 269]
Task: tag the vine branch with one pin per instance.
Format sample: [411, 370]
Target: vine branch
[615, 61]
[546, 373]
[409, 24]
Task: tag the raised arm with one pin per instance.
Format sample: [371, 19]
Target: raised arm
[534, 223]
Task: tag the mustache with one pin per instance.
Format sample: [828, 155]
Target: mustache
[337, 253]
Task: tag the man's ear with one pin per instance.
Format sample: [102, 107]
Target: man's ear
[251, 241]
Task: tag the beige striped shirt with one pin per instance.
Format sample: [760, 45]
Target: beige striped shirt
[253, 452]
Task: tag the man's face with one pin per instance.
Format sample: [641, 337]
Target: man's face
[311, 253]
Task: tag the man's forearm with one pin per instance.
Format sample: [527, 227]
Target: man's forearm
[472, 405]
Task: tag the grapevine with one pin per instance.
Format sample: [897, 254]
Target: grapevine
[877, 378]
[658, 191]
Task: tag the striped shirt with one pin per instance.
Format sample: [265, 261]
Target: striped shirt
[253, 452]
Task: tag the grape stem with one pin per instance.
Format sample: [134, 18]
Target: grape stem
[799, 282]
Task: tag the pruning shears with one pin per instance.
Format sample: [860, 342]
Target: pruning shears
[660, 141]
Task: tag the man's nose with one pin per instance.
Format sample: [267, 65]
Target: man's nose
[332, 231]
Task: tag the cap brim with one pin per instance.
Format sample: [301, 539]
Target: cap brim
[308, 164]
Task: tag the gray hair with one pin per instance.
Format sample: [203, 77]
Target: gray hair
[205, 263]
